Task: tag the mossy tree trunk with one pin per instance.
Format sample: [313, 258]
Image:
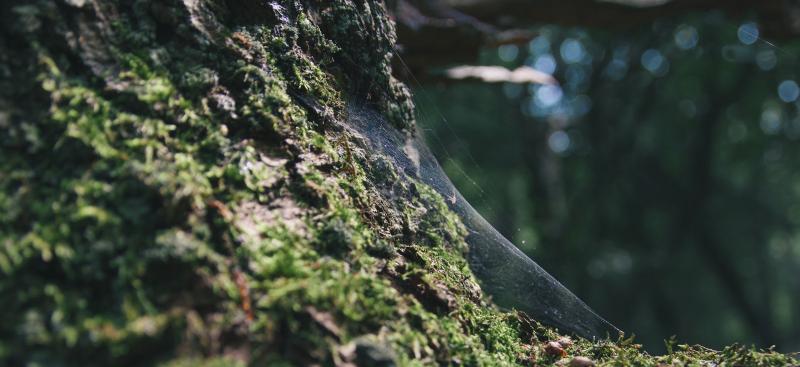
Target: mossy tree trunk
[176, 183]
[178, 187]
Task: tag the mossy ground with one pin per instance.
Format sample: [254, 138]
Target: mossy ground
[177, 189]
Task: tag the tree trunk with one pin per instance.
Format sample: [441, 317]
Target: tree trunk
[177, 183]
[178, 187]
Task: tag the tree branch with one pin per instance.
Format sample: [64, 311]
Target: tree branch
[778, 17]
[434, 33]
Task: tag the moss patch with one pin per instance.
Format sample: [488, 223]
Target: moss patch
[177, 190]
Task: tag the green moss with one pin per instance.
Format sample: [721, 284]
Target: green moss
[200, 362]
[190, 198]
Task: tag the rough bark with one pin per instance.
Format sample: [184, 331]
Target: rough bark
[177, 188]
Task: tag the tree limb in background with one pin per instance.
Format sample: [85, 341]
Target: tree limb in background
[431, 33]
[497, 74]
[445, 32]
[779, 16]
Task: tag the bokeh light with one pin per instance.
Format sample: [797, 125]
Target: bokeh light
[788, 91]
[748, 33]
[654, 62]
[686, 37]
[572, 51]
[558, 142]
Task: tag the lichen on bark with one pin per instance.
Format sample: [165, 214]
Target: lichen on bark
[177, 189]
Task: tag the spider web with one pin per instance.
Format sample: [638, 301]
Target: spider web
[512, 278]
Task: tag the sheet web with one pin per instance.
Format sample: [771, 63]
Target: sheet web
[510, 277]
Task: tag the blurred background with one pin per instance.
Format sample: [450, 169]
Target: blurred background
[659, 179]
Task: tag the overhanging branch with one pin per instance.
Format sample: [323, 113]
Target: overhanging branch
[440, 32]
[779, 18]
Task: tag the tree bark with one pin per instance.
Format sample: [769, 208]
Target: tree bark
[179, 186]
